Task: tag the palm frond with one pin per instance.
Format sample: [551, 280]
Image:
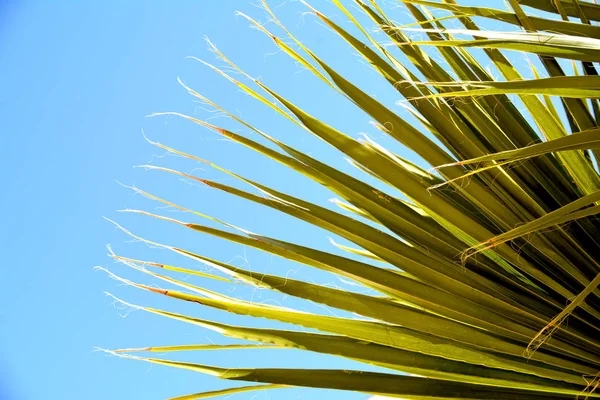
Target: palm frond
[470, 276]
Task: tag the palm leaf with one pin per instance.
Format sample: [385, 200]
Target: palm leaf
[485, 291]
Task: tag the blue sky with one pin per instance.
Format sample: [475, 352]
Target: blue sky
[78, 80]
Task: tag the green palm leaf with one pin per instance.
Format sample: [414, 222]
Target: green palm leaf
[488, 290]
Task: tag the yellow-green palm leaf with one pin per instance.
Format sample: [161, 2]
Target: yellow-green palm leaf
[482, 280]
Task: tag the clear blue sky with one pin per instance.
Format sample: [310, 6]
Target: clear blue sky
[77, 80]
